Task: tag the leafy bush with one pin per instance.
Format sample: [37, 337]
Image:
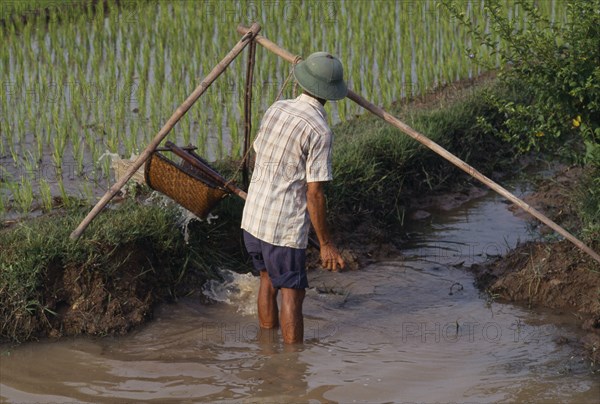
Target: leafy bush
[555, 67]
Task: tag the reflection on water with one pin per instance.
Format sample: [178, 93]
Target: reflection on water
[406, 330]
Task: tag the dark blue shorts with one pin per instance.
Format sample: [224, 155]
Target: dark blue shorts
[286, 266]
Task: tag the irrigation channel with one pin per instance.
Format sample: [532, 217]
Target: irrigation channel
[410, 329]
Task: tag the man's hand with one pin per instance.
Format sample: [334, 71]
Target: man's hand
[331, 259]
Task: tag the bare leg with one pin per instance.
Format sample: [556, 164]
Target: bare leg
[292, 322]
[267, 303]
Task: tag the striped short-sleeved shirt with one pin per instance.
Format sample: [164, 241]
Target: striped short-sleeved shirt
[293, 147]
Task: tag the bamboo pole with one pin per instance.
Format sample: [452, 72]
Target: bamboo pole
[380, 112]
[164, 131]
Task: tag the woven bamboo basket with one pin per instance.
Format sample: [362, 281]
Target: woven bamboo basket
[184, 184]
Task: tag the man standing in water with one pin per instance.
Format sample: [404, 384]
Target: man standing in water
[293, 160]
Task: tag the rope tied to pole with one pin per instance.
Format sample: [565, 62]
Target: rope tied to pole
[248, 112]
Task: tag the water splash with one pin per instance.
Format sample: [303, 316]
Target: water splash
[239, 290]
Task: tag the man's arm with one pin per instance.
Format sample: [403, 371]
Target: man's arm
[315, 199]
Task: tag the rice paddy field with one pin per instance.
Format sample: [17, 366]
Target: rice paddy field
[85, 81]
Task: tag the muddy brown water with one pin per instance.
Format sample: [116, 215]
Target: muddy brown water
[411, 329]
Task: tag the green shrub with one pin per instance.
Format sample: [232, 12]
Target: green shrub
[556, 70]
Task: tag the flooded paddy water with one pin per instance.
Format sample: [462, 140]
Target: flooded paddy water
[410, 329]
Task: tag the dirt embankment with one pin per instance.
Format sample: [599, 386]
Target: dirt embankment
[81, 300]
[556, 274]
[89, 302]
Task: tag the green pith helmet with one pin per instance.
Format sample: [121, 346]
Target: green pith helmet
[322, 75]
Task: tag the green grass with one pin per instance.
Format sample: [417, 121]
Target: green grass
[18, 9]
[376, 166]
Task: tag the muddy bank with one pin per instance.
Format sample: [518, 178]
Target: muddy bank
[84, 301]
[132, 258]
[75, 299]
[551, 274]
